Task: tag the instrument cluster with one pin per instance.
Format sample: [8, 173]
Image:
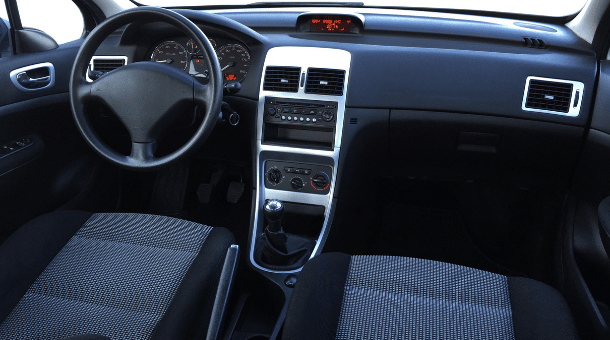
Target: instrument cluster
[183, 53]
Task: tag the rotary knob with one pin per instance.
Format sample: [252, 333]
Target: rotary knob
[271, 111]
[320, 181]
[274, 176]
[328, 116]
[297, 183]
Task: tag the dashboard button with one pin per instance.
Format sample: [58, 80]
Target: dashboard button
[289, 118]
[283, 117]
[308, 119]
[314, 120]
[302, 119]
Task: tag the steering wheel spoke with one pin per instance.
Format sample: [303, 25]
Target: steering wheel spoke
[83, 90]
[142, 152]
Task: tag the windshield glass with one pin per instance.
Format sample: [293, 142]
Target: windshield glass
[549, 8]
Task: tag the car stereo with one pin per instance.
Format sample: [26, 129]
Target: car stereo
[300, 112]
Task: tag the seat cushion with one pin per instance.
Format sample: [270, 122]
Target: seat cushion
[384, 297]
[124, 276]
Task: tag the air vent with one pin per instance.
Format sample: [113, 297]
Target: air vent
[534, 43]
[282, 79]
[552, 96]
[108, 64]
[325, 81]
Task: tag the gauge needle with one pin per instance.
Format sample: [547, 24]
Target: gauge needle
[226, 67]
[166, 61]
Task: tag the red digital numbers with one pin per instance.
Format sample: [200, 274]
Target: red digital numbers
[330, 23]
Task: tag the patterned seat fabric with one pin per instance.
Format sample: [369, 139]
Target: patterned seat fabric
[338, 296]
[115, 277]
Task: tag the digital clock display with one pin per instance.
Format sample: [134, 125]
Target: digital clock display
[330, 23]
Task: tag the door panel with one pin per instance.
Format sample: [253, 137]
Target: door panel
[58, 169]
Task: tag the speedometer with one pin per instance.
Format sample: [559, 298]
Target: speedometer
[172, 53]
[234, 61]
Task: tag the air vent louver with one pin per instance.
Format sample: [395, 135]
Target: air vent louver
[547, 95]
[282, 79]
[534, 43]
[107, 65]
[325, 81]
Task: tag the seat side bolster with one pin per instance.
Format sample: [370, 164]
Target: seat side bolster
[539, 311]
[189, 313]
[315, 306]
[25, 255]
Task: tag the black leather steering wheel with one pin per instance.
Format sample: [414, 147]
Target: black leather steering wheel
[145, 96]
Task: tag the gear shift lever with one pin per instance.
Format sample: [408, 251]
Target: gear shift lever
[277, 249]
[273, 211]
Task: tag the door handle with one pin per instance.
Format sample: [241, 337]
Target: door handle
[34, 77]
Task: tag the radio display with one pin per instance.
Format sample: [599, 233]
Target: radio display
[330, 23]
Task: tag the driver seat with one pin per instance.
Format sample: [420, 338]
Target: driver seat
[122, 276]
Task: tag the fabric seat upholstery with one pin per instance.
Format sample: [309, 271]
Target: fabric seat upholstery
[124, 276]
[384, 297]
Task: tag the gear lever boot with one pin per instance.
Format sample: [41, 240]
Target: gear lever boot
[277, 249]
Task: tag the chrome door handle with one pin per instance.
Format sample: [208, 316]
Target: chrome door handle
[34, 77]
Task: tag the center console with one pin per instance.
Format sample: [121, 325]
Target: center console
[299, 127]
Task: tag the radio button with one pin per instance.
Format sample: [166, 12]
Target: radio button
[302, 119]
[283, 117]
[308, 119]
[289, 118]
[314, 120]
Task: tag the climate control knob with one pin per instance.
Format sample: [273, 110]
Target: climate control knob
[297, 183]
[328, 116]
[320, 181]
[274, 176]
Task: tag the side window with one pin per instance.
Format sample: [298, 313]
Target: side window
[61, 19]
[4, 32]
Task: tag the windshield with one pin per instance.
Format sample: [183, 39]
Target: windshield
[549, 8]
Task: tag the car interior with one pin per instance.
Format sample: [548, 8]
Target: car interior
[306, 170]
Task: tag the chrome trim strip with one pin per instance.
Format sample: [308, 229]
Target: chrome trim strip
[14, 73]
[303, 57]
[577, 87]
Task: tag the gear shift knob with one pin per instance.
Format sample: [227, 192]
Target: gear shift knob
[273, 211]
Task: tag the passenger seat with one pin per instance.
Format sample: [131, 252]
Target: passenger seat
[338, 296]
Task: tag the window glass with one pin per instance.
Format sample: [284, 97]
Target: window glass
[60, 19]
[551, 8]
[3, 14]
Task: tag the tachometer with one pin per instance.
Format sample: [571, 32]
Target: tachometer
[171, 52]
[234, 62]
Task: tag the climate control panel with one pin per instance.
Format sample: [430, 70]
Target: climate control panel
[298, 177]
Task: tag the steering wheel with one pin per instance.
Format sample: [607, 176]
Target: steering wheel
[145, 96]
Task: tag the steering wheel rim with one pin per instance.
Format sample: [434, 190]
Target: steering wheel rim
[110, 89]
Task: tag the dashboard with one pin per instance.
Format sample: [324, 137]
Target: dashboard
[182, 53]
